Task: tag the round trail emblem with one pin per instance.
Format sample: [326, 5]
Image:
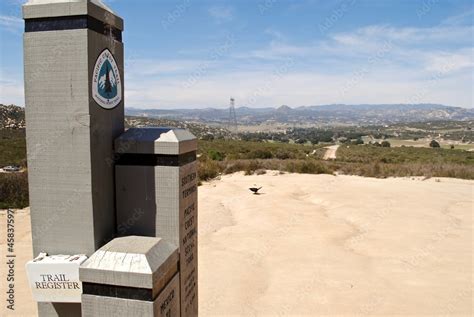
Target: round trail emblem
[106, 81]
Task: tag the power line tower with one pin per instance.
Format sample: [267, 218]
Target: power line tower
[232, 116]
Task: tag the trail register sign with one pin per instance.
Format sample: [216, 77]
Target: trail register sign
[55, 278]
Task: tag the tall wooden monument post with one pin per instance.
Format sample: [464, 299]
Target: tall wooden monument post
[156, 181]
[73, 56]
[90, 181]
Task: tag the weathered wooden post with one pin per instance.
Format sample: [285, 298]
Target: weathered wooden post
[131, 276]
[73, 55]
[156, 180]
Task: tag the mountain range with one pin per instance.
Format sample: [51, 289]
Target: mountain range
[324, 114]
[14, 116]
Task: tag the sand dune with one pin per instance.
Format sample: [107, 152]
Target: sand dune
[323, 245]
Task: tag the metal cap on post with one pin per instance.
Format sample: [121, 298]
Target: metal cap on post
[131, 276]
[156, 193]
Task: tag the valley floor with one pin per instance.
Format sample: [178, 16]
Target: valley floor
[322, 245]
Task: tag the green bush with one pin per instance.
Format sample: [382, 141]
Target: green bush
[216, 155]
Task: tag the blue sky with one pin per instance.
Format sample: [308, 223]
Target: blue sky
[194, 54]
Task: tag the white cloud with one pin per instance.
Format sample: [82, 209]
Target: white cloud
[141, 68]
[11, 23]
[439, 35]
[221, 13]
[450, 62]
[462, 18]
[277, 50]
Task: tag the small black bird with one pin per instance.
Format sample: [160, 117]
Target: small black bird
[255, 190]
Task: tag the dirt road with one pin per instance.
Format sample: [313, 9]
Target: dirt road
[331, 152]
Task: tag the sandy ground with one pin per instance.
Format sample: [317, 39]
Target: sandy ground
[322, 245]
[24, 305]
[330, 152]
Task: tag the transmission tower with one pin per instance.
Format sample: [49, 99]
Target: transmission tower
[232, 116]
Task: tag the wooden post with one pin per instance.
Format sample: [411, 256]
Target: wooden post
[73, 115]
[156, 179]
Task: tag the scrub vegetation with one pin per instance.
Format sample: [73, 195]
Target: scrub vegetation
[219, 153]
[224, 157]
[12, 147]
[14, 190]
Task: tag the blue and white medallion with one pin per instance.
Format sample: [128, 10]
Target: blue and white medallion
[106, 81]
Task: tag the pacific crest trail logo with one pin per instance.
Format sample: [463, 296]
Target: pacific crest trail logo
[106, 81]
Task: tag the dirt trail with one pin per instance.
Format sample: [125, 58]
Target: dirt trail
[331, 152]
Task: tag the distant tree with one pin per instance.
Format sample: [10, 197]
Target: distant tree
[415, 139]
[386, 144]
[359, 141]
[452, 147]
[216, 155]
[434, 144]
[377, 144]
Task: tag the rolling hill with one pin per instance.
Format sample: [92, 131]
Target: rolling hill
[325, 114]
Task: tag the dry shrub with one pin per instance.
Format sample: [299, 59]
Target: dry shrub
[208, 169]
[252, 167]
[381, 170]
[14, 190]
